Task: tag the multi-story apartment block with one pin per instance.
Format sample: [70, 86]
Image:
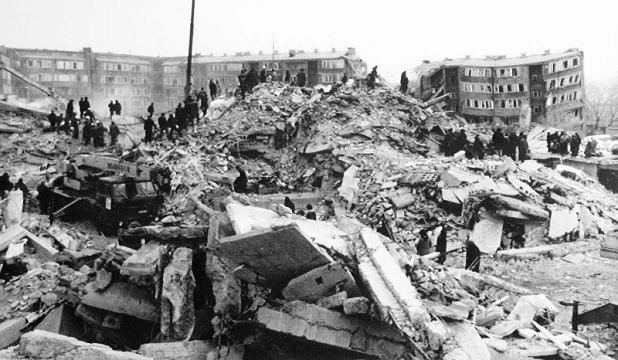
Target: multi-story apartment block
[136, 81]
[496, 88]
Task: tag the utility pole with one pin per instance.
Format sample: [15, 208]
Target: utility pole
[188, 83]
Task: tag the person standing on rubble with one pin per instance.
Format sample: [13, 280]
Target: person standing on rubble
[242, 82]
[371, 78]
[241, 182]
[310, 214]
[149, 126]
[473, 257]
[24, 189]
[441, 245]
[150, 109]
[113, 133]
[590, 150]
[287, 77]
[172, 126]
[86, 104]
[575, 142]
[44, 193]
[344, 79]
[70, 110]
[5, 185]
[117, 108]
[75, 127]
[263, 75]
[301, 78]
[423, 244]
[478, 147]
[162, 125]
[524, 150]
[87, 132]
[112, 108]
[202, 96]
[99, 132]
[513, 145]
[213, 90]
[404, 82]
[564, 143]
[80, 103]
[498, 140]
[462, 141]
[52, 120]
[289, 204]
[218, 87]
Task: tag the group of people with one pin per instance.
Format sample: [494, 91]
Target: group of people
[308, 212]
[455, 142]
[247, 80]
[511, 145]
[184, 116]
[559, 143]
[115, 108]
[7, 186]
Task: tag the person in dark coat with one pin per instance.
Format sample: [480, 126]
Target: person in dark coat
[241, 182]
[550, 141]
[564, 143]
[172, 125]
[70, 110]
[441, 244]
[524, 150]
[114, 131]
[162, 125]
[5, 185]
[89, 114]
[149, 126]
[423, 244]
[289, 204]
[150, 109]
[112, 108]
[513, 144]
[75, 126]
[263, 75]
[498, 140]
[80, 103]
[473, 257]
[117, 108]
[87, 132]
[344, 79]
[242, 82]
[53, 119]
[99, 135]
[59, 123]
[310, 213]
[575, 142]
[371, 78]
[404, 82]
[44, 194]
[448, 143]
[478, 147]
[202, 96]
[86, 103]
[24, 189]
[213, 90]
[287, 77]
[462, 141]
[301, 78]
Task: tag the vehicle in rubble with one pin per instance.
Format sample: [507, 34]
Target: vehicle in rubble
[110, 191]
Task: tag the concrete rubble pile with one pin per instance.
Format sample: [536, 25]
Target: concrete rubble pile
[223, 275]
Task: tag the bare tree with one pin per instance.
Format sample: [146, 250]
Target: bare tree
[602, 103]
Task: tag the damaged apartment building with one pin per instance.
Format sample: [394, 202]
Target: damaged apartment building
[497, 88]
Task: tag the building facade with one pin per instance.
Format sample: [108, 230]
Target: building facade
[136, 81]
[498, 89]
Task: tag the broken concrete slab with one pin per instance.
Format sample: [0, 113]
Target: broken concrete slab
[521, 206]
[279, 254]
[437, 334]
[468, 339]
[248, 218]
[489, 316]
[63, 238]
[506, 327]
[530, 306]
[145, 261]
[177, 308]
[167, 233]
[12, 234]
[356, 306]
[448, 312]
[62, 320]
[319, 282]
[320, 325]
[562, 222]
[555, 250]
[122, 298]
[10, 331]
[333, 301]
[522, 187]
[487, 233]
[186, 350]
[46, 345]
[349, 185]
[402, 198]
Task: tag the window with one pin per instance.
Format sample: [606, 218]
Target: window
[515, 72]
[234, 67]
[536, 109]
[575, 62]
[536, 77]
[70, 65]
[509, 88]
[536, 93]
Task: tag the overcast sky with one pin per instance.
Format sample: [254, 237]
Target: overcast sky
[396, 35]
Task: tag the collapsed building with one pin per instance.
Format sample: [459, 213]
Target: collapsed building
[224, 275]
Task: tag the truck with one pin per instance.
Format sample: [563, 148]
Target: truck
[110, 191]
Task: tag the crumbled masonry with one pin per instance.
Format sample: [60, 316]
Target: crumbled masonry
[221, 274]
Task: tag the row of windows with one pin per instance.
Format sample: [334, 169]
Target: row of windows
[124, 80]
[126, 92]
[125, 67]
[487, 88]
[332, 64]
[327, 78]
[563, 65]
[497, 104]
[562, 82]
[568, 97]
[49, 64]
[59, 77]
[486, 72]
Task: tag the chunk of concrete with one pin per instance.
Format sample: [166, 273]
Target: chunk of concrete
[177, 308]
[562, 222]
[487, 233]
[319, 282]
[506, 327]
[526, 333]
[489, 316]
[468, 339]
[450, 312]
[519, 205]
[437, 334]
[62, 237]
[12, 234]
[402, 199]
[144, 261]
[323, 326]
[62, 320]
[531, 306]
[10, 331]
[356, 306]
[45, 345]
[279, 254]
[122, 298]
[186, 350]
[332, 301]
[496, 344]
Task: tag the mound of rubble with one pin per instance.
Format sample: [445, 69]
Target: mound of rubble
[241, 276]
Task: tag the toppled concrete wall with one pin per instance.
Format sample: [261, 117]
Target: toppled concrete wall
[177, 309]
